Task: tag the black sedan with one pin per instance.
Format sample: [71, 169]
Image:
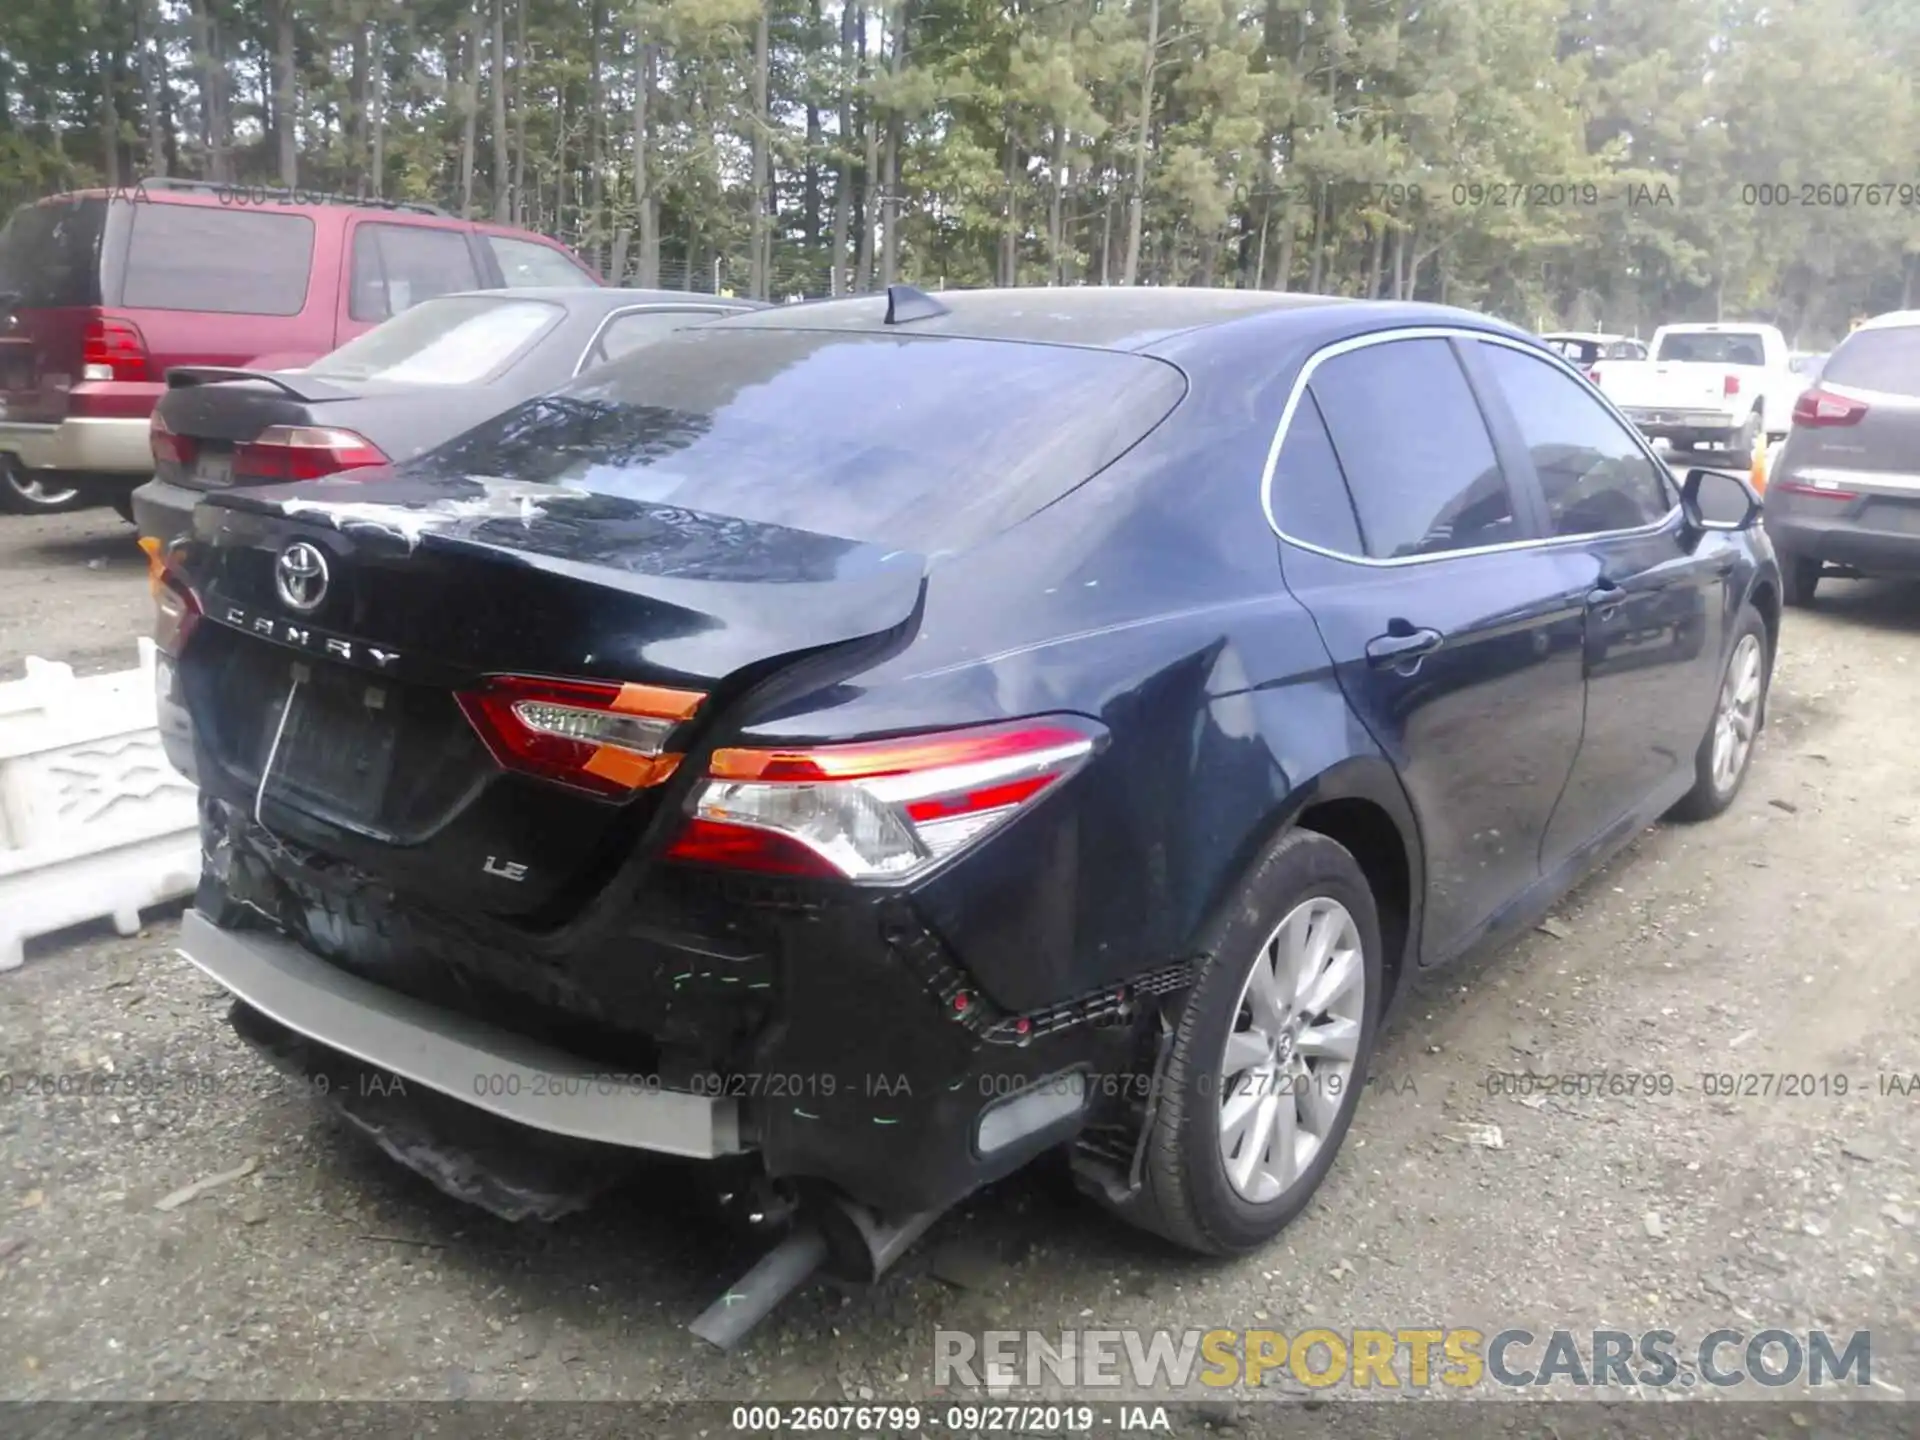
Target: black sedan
[877, 742]
[400, 389]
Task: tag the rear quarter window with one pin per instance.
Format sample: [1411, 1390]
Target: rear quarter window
[526, 263]
[930, 444]
[227, 261]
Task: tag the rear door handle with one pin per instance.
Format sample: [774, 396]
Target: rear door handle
[1392, 650]
[1605, 597]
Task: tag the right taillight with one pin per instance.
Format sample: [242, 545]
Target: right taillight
[607, 739]
[304, 452]
[168, 446]
[1817, 407]
[882, 811]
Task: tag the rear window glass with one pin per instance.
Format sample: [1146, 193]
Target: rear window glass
[1884, 360]
[395, 267]
[50, 255]
[457, 340]
[1719, 347]
[528, 263]
[927, 444]
[212, 258]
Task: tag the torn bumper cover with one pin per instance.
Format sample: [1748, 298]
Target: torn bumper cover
[488, 1068]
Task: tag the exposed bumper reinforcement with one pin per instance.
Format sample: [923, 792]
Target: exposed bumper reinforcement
[491, 1069]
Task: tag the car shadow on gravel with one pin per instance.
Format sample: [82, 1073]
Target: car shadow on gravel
[1892, 605]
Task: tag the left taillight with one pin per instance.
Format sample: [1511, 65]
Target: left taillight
[176, 608]
[304, 452]
[112, 349]
[167, 445]
[609, 740]
[882, 811]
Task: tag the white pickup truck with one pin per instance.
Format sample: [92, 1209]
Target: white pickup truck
[1707, 385]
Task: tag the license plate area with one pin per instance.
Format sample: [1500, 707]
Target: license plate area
[333, 752]
[214, 468]
[1893, 515]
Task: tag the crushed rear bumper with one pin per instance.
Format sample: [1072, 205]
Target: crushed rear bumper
[466, 1059]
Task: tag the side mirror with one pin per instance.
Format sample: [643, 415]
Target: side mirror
[1718, 500]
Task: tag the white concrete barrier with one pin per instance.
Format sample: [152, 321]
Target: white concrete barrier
[93, 820]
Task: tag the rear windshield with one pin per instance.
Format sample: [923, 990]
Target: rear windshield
[454, 340]
[928, 444]
[50, 254]
[1884, 360]
[1718, 347]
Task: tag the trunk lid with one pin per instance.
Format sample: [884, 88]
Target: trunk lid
[339, 728]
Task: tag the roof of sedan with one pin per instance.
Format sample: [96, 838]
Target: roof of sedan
[609, 297]
[1114, 317]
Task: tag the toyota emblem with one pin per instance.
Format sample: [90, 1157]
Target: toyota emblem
[300, 575]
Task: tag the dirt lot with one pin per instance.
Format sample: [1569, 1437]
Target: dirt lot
[1783, 939]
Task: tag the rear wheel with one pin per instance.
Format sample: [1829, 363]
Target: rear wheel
[1270, 1056]
[1748, 440]
[34, 492]
[1802, 577]
[1720, 764]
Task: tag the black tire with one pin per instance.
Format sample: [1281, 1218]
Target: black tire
[1185, 1194]
[122, 503]
[1712, 793]
[30, 492]
[1800, 577]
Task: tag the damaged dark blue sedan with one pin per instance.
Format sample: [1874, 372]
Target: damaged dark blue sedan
[873, 743]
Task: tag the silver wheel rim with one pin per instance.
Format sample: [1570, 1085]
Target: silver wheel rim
[38, 491]
[1289, 1060]
[1738, 715]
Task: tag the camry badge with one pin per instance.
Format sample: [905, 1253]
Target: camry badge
[300, 575]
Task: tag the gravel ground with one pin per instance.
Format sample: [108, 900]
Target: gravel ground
[1780, 939]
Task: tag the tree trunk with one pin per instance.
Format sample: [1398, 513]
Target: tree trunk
[596, 141]
[284, 95]
[1009, 231]
[811, 186]
[377, 57]
[757, 278]
[520, 113]
[869, 174]
[617, 266]
[502, 198]
[470, 107]
[1136, 201]
[1056, 238]
[837, 277]
[110, 117]
[153, 59]
[213, 93]
[1374, 259]
[357, 108]
[645, 201]
[1314, 273]
[890, 181]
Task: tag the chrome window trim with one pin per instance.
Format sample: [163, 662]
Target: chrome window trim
[657, 307]
[1451, 332]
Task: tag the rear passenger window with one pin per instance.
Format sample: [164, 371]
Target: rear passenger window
[1593, 473]
[1310, 500]
[526, 262]
[228, 261]
[395, 267]
[1415, 450]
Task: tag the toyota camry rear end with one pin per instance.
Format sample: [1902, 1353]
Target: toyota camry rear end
[585, 776]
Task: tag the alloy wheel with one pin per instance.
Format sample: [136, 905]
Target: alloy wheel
[1738, 716]
[1290, 1057]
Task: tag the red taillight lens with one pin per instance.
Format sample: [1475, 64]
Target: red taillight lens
[304, 452]
[607, 739]
[176, 608]
[1730, 386]
[1819, 407]
[876, 811]
[167, 446]
[1594, 374]
[113, 350]
[1818, 492]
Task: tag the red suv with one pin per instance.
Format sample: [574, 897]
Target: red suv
[101, 293]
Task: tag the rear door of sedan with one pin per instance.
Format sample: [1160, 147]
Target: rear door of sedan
[1456, 636]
